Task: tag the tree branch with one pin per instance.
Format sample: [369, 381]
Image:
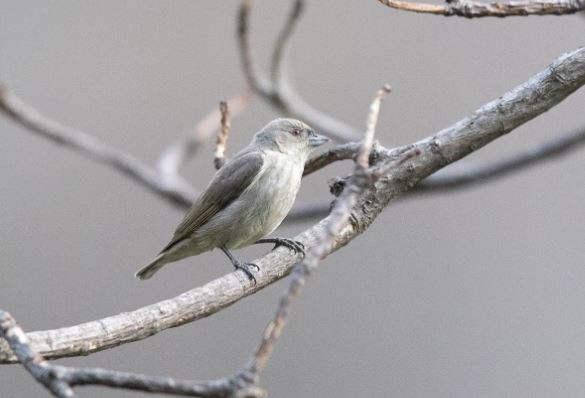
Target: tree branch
[475, 9]
[277, 92]
[499, 117]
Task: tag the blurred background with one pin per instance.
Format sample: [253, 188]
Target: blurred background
[476, 293]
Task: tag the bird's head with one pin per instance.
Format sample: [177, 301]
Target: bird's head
[289, 136]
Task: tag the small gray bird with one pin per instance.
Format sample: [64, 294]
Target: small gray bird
[246, 199]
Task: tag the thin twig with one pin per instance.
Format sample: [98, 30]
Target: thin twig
[281, 96]
[325, 243]
[475, 9]
[363, 156]
[180, 152]
[222, 137]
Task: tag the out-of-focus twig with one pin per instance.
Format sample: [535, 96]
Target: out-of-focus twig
[181, 151]
[178, 191]
[281, 44]
[222, 137]
[475, 9]
[469, 175]
[277, 92]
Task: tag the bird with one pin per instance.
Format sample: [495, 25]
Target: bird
[247, 198]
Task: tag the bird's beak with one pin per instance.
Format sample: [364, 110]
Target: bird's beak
[316, 140]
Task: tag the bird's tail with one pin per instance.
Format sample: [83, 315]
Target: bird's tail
[149, 270]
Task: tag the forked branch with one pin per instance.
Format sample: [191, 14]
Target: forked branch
[277, 92]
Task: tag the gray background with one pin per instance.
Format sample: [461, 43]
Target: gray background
[478, 293]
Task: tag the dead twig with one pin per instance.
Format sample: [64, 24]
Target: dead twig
[222, 137]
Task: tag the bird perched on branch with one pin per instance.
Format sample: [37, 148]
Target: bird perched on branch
[246, 199]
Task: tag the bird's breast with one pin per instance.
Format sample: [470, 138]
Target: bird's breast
[267, 201]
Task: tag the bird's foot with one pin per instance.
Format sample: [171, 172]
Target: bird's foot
[292, 244]
[247, 268]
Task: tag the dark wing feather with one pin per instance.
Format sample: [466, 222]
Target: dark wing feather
[225, 187]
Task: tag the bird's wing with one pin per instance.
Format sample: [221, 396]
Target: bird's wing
[225, 187]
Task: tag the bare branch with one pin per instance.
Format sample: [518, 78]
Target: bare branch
[475, 9]
[139, 382]
[278, 93]
[497, 118]
[448, 180]
[180, 152]
[179, 191]
[222, 137]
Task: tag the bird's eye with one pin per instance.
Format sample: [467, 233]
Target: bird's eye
[296, 132]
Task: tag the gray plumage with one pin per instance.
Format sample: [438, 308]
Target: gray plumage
[247, 198]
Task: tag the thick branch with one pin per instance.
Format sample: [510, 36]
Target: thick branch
[491, 121]
[475, 9]
[472, 175]
[448, 180]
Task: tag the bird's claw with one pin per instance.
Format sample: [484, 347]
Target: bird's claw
[294, 245]
[247, 268]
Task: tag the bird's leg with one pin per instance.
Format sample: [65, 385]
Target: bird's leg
[294, 245]
[246, 267]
